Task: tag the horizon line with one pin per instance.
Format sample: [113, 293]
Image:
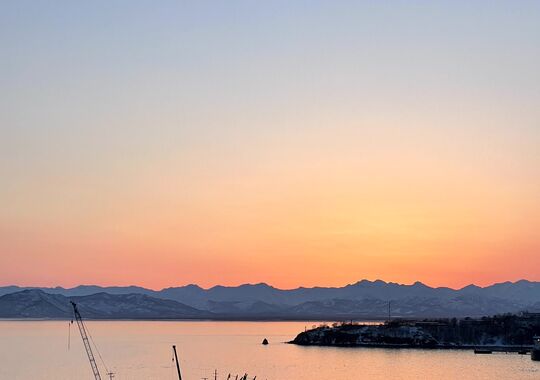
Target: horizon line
[272, 286]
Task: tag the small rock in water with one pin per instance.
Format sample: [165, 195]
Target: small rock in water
[265, 341]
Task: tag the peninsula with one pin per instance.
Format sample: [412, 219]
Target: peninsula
[513, 332]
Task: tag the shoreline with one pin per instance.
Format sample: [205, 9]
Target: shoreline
[224, 319]
[493, 348]
[500, 333]
[185, 320]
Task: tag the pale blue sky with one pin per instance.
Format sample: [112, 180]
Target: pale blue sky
[206, 67]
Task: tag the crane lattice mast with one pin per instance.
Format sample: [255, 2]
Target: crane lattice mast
[84, 337]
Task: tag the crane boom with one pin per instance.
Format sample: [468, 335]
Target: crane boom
[177, 364]
[84, 337]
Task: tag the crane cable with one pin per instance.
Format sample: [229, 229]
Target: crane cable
[172, 365]
[97, 350]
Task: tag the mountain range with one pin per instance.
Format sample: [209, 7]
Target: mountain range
[361, 300]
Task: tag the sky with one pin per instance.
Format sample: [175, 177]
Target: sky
[295, 143]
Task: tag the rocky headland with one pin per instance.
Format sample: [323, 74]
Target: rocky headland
[496, 331]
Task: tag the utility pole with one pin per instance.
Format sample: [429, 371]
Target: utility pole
[215, 374]
[177, 364]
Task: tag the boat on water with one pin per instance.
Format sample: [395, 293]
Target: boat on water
[535, 353]
[482, 351]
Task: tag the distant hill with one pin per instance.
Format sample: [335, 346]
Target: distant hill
[364, 299]
[35, 303]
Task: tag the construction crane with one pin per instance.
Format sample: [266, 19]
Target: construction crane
[84, 337]
[177, 363]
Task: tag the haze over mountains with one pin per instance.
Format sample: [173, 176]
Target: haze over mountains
[362, 300]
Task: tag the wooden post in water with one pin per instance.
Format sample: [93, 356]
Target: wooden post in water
[177, 364]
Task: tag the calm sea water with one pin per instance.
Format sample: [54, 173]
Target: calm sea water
[142, 350]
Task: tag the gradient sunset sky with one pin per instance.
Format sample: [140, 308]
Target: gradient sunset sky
[297, 143]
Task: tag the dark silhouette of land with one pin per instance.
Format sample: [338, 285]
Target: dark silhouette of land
[510, 331]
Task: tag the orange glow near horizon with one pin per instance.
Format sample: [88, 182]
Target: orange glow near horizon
[304, 224]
